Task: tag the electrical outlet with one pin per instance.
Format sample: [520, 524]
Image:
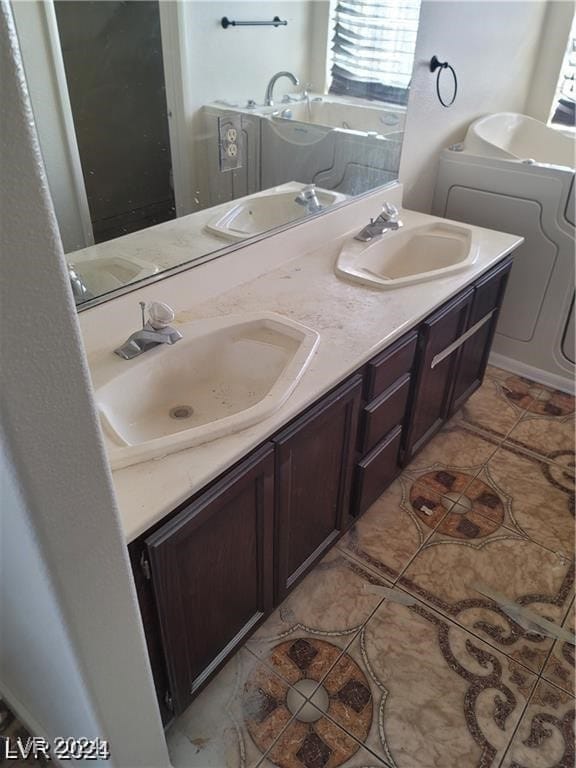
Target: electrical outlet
[230, 142]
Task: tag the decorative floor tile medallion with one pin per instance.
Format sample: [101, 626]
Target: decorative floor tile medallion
[311, 740]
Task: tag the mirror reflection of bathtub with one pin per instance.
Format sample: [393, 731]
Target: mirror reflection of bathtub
[340, 144]
[516, 174]
[343, 113]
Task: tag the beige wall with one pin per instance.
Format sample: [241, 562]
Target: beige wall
[549, 58]
[493, 46]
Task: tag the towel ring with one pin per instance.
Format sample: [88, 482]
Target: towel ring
[435, 64]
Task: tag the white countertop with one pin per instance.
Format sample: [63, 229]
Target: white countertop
[355, 322]
[187, 237]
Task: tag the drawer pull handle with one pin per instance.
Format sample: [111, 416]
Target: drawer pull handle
[437, 359]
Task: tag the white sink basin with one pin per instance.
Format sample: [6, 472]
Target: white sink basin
[226, 374]
[255, 215]
[408, 256]
[103, 274]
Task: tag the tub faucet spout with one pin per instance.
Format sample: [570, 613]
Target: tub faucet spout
[269, 97]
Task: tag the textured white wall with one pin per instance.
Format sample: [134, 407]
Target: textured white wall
[493, 47]
[33, 629]
[72, 656]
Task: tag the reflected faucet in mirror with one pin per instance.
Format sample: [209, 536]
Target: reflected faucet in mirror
[156, 330]
[269, 96]
[79, 289]
[308, 198]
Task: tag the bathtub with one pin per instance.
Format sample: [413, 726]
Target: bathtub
[510, 136]
[346, 145]
[344, 114]
[514, 174]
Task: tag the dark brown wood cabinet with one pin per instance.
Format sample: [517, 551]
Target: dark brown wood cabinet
[214, 569]
[212, 573]
[488, 296]
[435, 373]
[454, 346]
[388, 382]
[387, 367]
[314, 463]
[377, 470]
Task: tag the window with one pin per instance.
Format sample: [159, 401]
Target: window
[373, 48]
[563, 109]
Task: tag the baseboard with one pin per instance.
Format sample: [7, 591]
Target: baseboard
[553, 380]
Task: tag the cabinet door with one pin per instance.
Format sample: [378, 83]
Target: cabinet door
[314, 462]
[488, 296]
[212, 573]
[436, 369]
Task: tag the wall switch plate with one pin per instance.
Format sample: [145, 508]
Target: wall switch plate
[230, 142]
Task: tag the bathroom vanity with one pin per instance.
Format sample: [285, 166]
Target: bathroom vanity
[210, 570]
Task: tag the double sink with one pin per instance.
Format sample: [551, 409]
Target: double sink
[228, 373]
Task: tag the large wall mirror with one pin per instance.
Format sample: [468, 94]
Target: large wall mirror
[212, 122]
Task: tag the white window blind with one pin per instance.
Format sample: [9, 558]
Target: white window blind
[373, 48]
[563, 111]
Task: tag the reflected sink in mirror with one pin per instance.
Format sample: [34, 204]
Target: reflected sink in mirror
[408, 256]
[258, 214]
[129, 144]
[226, 374]
[102, 274]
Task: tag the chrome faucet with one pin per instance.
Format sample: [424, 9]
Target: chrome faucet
[268, 98]
[387, 221]
[308, 198]
[156, 330]
[79, 289]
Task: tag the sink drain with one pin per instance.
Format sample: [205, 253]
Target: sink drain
[181, 412]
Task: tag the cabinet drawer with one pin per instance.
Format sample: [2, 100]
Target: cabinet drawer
[389, 365]
[384, 413]
[489, 290]
[375, 472]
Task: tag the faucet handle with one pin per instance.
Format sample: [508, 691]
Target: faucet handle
[390, 212]
[160, 315]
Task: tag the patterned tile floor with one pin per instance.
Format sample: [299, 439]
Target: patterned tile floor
[391, 653]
